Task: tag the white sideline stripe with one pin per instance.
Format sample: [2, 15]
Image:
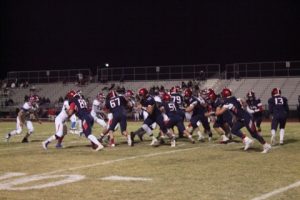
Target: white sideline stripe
[277, 191]
[124, 178]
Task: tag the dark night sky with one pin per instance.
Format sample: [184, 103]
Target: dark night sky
[135, 32]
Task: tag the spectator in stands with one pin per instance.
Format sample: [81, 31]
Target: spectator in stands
[13, 85]
[202, 76]
[4, 85]
[237, 76]
[26, 84]
[190, 84]
[21, 85]
[80, 78]
[183, 85]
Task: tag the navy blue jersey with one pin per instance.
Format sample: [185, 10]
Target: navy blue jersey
[217, 103]
[79, 105]
[255, 105]
[178, 100]
[170, 108]
[116, 104]
[278, 106]
[232, 104]
[198, 104]
[151, 101]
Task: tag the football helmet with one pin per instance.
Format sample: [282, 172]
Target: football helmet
[174, 90]
[166, 97]
[71, 94]
[226, 92]
[100, 97]
[32, 99]
[188, 93]
[112, 94]
[143, 92]
[276, 92]
[129, 93]
[211, 95]
[251, 95]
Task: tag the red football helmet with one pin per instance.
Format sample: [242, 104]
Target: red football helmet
[166, 97]
[226, 92]
[143, 92]
[112, 94]
[211, 94]
[129, 93]
[34, 98]
[188, 92]
[276, 92]
[71, 94]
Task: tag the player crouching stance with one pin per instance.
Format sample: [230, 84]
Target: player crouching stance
[243, 119]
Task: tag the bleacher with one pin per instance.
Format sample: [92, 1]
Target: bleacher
[56, 84]
[262, 87]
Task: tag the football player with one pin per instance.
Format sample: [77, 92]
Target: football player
[255, 108]
[149, 105]
[279, 110]
[78, 106]
[243, 119]
[199, 107]
[175, 119]
[30, 107]
[60, 125]
[97, 111]
[116, 105]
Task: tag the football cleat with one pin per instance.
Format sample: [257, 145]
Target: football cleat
[273, 140]
[100, 146]
[200, 136]
[248, 142]
[129, 141]
[45, 144]
[25, 140]
[173, 142]
[58, 146]
[7, 137]
[154, 141]
[267, 148]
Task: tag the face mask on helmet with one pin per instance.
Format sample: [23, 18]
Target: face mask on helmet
[143, 92]
[276, 92]
[226, 93]
[71, 94]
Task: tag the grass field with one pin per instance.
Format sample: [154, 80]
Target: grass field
[189, 171]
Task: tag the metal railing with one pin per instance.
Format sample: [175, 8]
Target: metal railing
[262, 69]
[172, 72]
[49, 76]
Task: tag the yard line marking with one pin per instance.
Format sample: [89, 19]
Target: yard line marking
[125, 178]
[277, 191]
